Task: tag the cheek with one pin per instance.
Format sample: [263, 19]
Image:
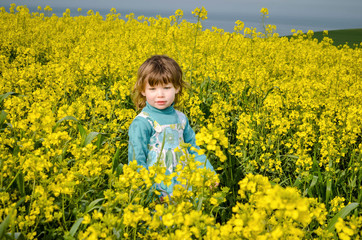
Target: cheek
[173, 96]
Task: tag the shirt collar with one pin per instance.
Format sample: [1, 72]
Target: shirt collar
[167, 110]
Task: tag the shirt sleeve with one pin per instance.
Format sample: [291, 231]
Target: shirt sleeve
[189, 137]
[139, 133]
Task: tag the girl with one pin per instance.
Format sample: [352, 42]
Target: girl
[159, 86]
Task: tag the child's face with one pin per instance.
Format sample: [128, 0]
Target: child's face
[160, 96]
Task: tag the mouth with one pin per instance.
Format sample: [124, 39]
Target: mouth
[161, 102]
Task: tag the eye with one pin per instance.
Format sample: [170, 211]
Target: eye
[168, 86]
[151, 88]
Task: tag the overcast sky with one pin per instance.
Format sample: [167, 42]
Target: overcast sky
[316, 15]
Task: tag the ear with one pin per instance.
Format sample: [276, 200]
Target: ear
[177, 90]
[143, 93]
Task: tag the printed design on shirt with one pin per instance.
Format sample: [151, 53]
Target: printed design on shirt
[171, 138]
[164, 141]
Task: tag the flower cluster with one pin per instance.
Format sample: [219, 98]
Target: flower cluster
[271, 212]
[213, 138]
[337, 204]
[349, 229]
[200, 13]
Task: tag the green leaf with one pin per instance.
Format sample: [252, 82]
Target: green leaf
[3, 96]
[115, 160]
[297, 182]
[93, 204]
[75, 227]
[2, 117]
[100, 140]
[341, 214]
[16, 150]
[117, 165]
[328, 189]
[169, 159]
[89, 138]
[267, 93]
[20, 183]
[67, 118]
[162, 146]
[312, 184]
[18, 236]
[5, 224]
[178, 156]
[119, 169]
[199, 206]
[82, 131]
[14, 179]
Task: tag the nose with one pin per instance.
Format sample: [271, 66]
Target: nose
[160, 93]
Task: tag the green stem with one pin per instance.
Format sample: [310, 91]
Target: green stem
[1, 173]
[12, 181]
[135, 233]
[193, 51]
[264, 26]
[32, 192]
[231, 169]
[63, 214]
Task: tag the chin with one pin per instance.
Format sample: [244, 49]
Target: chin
[162, 107]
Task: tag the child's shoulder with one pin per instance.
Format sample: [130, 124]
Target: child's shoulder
[182, 117]
[144, 114]
[179, 113]
[141, 123]
[142, 117]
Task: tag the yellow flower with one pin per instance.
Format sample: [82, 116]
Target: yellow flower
[200, 13]
[168, 220]
[264, 11]
[179, 12]
[86, 219]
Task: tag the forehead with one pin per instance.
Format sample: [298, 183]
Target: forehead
[153, 84]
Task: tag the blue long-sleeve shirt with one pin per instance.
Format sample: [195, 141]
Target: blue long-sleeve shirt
[140, 132]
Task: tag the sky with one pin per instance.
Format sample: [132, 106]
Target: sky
[316, 15]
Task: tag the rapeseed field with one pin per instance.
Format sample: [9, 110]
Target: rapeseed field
[280, 120]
